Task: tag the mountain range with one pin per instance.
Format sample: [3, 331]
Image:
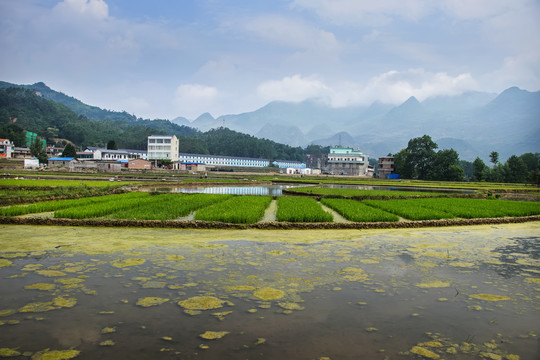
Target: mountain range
[473, 123]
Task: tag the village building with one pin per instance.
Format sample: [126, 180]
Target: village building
[66, 162]
[139, 164]
[6, 148]
[385, 167]
[192, 166]
[109, 166]
[162, 147]
[221, 160]
[32, 163]
[289, 164]
[120, 154]
[347, 161]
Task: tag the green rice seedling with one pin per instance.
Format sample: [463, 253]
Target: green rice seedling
[237, 210]
[58, 183]
[356, 211]
[170, 206]
[481, 208]
[54, 205]
[359, 193]
[409, 209]
[301, 209]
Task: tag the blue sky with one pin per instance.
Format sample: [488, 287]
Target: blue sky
[169, 58]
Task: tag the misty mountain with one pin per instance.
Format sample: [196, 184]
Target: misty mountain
[473, 123]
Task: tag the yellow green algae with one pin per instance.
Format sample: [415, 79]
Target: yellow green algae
[434, 284]
[490, 297]
[7, 352]
[202, 303]
[64, 302]
[151, 301]
[322, 268]
[40, 286]
[50, 273]
[418, 350]
[128, 262]
[107, 343]
[213, 335]
[268, 293]
[5, 262]
[108, 330]
[55, 354]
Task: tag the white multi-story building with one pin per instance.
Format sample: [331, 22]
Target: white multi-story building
[221, 160]
[163, 147]
[347, 161]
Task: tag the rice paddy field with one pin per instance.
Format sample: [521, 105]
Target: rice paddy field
[252, 209]
[450, 293]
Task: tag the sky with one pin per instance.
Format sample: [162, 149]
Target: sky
[170, 58]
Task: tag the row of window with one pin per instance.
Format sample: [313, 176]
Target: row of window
[345, 159]
[159, 148]
[159, 141]
[226, 162]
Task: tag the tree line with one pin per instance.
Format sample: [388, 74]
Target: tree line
[419, 160]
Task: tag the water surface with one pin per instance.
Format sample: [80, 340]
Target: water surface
[458, 293]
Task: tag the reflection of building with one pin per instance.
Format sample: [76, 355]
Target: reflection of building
[163, 147]
[347, 161]
[6, 148]
[386, 166]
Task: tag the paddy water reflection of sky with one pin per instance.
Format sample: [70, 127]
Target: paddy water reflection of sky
[456, 293]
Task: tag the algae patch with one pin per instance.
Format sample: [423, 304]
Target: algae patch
[268, 293]
[434, 284]
[55, 354]
[5, 262]
[490, 297]
[418, 350]
[213, 335]
[151, 301]
[128, 262]
[202, 303]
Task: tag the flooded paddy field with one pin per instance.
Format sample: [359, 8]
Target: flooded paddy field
[453, 293]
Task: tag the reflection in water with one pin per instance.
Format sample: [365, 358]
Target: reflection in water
[272, 190]
[191, 294]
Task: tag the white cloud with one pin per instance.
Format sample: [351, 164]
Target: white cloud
[97, 9]
[293, 88]
[366, 12]
[390, 87]
[191, 100]
[287, 32]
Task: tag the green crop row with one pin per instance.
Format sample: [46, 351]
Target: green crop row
[239, 210]
[301, 209]
[359, 193]
[55, 205]
[356, 211]
[481, 208]
[170, 206]
[409, 209]
[445, 208]
[57, 183]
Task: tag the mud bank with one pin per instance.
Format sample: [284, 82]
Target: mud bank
[195, 224]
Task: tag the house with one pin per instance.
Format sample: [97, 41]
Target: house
[6, 148]
[298, 171]
[162, 147]
[32, 163]
[222, 160]
[192, 166]
[347, 161]
[122, 154]
[139, 164]
[109, 166]
[385, 166]
[61, 162]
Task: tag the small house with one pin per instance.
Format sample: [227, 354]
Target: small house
[31, 163]
[139, 164]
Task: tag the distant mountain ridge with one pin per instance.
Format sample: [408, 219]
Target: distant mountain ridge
[473, 123]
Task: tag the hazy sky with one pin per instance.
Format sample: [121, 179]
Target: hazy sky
[169, 58]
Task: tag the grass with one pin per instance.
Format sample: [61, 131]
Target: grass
[409, 209]
[170, 206]
[238, 210]
[301, 209]
[356, 211]
[58, 183]
[364, 194]
[55, 205]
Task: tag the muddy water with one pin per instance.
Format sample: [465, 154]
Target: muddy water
[453, 293]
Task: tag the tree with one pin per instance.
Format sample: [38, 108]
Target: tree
[69, 151]
[468, 168]
[494, 157]
[37, 150]
[516, 170]
[445, 166]
[111, 145]
[421, 156]
[402, 165]
[479, 169]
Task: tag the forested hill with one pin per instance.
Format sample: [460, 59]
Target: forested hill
[22, 108]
